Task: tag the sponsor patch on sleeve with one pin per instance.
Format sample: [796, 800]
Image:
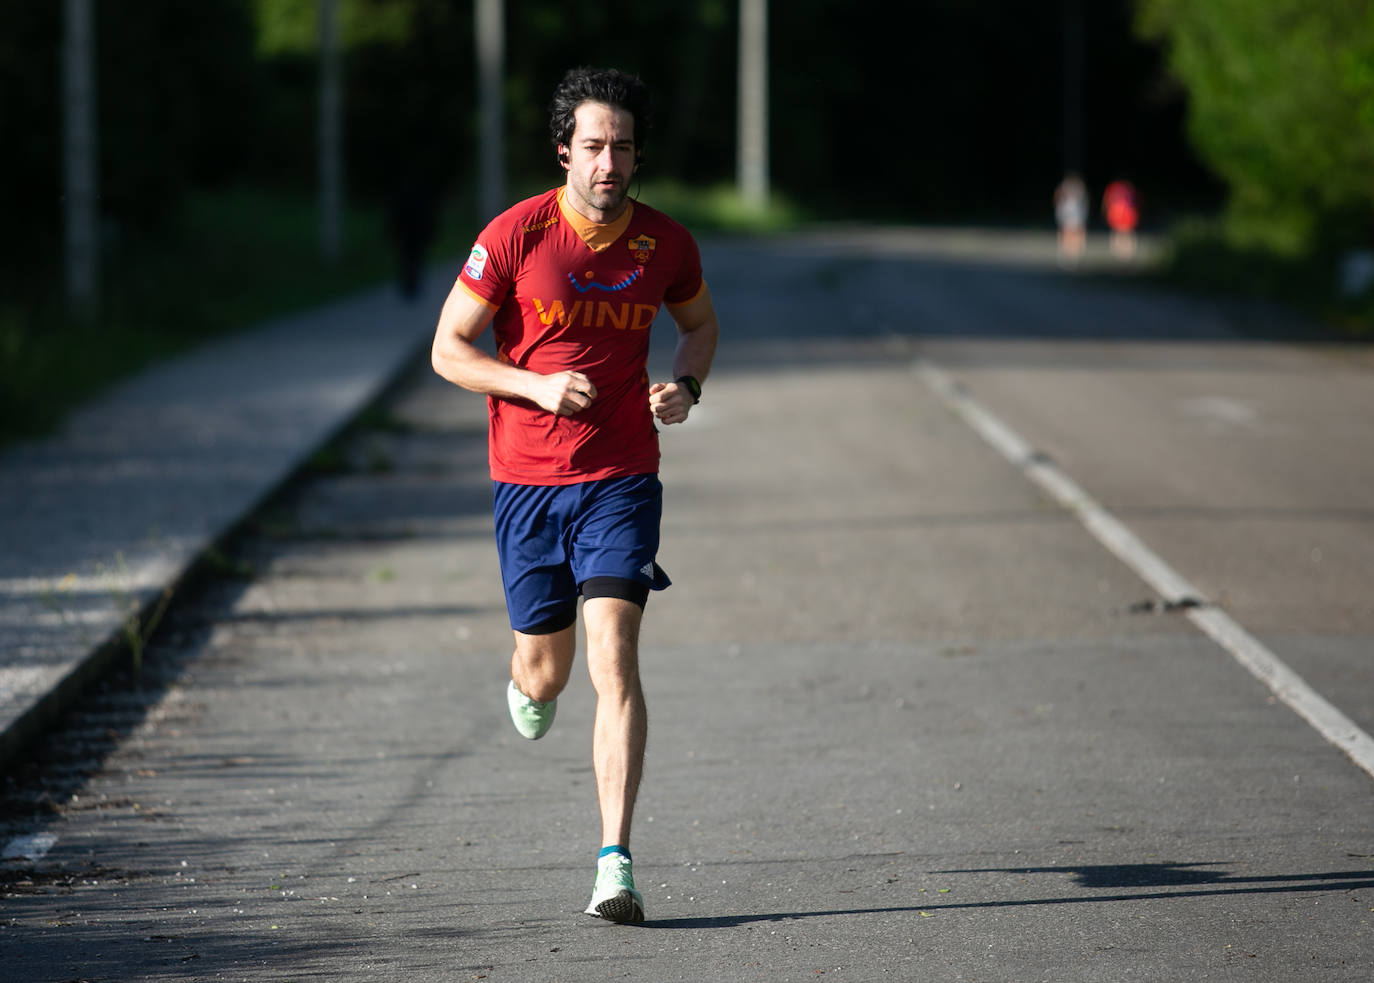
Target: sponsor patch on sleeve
[477, 262]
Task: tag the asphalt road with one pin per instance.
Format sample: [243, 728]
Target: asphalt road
[909, 718]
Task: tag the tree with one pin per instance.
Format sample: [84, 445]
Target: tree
[1281, 106]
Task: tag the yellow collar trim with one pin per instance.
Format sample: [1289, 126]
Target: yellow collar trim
[598, 237]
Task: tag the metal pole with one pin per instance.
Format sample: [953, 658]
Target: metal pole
[490, 31]
[330, 132]
[752, 138]
[82, 224]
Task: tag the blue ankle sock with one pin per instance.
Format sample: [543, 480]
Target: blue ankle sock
[624, 851]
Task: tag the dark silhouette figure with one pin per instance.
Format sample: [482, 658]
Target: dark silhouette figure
[413, 221]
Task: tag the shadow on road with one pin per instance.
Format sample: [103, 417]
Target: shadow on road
[1092, 877]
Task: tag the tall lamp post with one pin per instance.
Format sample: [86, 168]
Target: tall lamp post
[79, 166]
[752, 137]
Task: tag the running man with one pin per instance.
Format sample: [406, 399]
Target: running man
[571, 280]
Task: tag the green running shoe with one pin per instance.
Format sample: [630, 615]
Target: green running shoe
[614, 897]
[531, 718]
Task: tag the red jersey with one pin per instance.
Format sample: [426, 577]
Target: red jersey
[573, 295]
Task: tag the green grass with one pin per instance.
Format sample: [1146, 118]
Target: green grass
[720, 209]
[1204, 257]
[232, 259]
[703, 210]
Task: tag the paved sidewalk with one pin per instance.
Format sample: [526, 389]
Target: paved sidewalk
[99, 522]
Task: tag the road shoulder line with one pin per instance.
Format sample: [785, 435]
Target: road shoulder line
[1262, 663]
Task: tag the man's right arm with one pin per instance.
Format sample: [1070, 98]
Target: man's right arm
[456, 357]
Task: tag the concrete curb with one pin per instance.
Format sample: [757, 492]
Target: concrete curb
[107, 520]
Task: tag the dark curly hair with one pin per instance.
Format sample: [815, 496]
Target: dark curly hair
[615, 88]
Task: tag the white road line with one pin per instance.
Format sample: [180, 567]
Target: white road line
[1267, 667]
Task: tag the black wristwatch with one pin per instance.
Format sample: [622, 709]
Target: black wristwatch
[692, 385]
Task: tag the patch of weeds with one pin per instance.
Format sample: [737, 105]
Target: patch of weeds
[276, 523]
[224, 565]
[138, 622]
[52, 600]
[379, 459]
[385, 420]
[327, 460]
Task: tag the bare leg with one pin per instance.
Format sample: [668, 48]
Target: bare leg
[542, 664]
[621, 729]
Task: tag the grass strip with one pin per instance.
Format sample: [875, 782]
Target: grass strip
[231, 259]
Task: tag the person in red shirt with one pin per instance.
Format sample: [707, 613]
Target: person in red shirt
[570, 281]
[1121, 205]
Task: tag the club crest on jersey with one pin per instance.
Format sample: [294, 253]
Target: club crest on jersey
[642, 248]
[477, 262]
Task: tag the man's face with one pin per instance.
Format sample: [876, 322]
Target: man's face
[601, 160]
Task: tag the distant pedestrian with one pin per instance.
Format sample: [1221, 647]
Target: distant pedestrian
[1121, 205]
[571, 281]
[1071, 215]
[412, 222]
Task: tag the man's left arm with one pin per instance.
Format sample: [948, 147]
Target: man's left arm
[698, 331]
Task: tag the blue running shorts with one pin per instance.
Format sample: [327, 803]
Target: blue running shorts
[553, 540]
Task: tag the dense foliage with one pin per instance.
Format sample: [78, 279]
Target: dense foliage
[1281, 105]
